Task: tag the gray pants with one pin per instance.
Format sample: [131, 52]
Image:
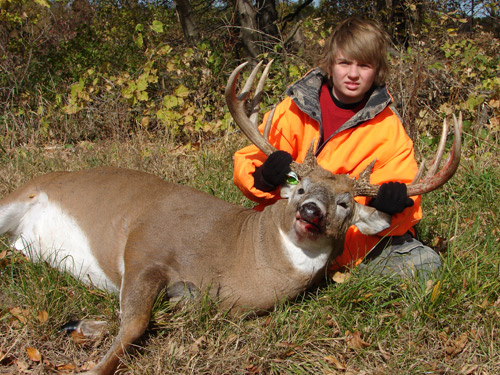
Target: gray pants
[402, 256]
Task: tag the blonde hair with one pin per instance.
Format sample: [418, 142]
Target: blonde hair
[358, 39]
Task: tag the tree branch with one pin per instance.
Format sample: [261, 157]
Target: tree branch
[289, 17]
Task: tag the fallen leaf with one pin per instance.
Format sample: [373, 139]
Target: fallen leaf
[341, 277]
[232, 338]
[267, 321]
[485, 303]
[286, 344]
[68, 366]
[78, 337]
[198, 344]
[436, 291]
[4, 261]
[454, 347]
[334, 361]
[22, 366]
[20, 314]
[283, 356]
[34, 354]
[354, 340]
[439, 244]
[468, 369]
[252, 369]
[43, 316]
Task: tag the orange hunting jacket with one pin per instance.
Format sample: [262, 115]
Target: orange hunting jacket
[375, 132]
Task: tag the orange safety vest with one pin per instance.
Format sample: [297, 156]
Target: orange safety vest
[348, 151]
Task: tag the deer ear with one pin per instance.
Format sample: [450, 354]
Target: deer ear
[370, 221]
[286, 190]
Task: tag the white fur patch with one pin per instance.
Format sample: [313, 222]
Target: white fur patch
[304, 260]
[43, 231]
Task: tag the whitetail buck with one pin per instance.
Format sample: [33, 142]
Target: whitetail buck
[130, 232]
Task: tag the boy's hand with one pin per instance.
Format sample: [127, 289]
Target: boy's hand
[273, 172]
[392, 198]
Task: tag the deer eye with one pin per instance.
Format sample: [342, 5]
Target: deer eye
[343, 201]
[301, 191]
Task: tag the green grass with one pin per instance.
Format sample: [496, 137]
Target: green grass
[366, 325]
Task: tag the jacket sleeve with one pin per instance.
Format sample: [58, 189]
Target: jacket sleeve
[397, 163]
[249, 158]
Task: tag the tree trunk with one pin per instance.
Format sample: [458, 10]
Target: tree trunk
[266, 19]
[393, 16]
[250, 35]
[185, 14]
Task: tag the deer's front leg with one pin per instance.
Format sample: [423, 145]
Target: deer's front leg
[138, 293]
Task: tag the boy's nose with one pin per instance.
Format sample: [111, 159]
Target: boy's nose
[353, 70]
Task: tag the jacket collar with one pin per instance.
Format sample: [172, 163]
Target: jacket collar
[305, 93]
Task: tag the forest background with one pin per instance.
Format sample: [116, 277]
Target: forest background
[85, 70]
[140, 84]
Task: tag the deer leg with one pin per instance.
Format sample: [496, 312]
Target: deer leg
[137, 296]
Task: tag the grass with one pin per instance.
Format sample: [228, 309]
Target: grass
[366, 325]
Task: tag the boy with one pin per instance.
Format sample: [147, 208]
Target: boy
[343, 105]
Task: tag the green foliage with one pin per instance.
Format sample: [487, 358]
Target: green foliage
[436, 77]
[81, 71]
[475, 68]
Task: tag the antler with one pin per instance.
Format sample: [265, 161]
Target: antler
[432, 180]
[236, 105]
[249, 124]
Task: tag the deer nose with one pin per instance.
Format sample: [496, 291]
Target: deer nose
[311, 213]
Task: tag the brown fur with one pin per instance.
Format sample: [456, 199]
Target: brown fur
[166, 234]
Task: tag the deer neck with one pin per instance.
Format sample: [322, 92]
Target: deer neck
[277, 239]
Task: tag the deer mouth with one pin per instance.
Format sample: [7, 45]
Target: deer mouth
[309, 220]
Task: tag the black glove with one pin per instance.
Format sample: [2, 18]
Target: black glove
[392, 198]
[273, 172]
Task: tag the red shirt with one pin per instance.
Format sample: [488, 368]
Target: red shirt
[335, 113]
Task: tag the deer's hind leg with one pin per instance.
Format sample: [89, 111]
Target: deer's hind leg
[137, 295]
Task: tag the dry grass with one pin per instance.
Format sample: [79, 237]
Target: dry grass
[366, 325]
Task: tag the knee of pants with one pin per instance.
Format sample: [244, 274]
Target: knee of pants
[406, 259]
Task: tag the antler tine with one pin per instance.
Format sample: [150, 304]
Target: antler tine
[362, 186]
[269, 122]
[433, 180]
[236, 105]
[255, 104]
[437, 160]
[436, 180]
[440, 151]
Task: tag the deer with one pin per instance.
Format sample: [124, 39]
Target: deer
[129, 232]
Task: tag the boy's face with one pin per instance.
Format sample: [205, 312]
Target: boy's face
[351, 79]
